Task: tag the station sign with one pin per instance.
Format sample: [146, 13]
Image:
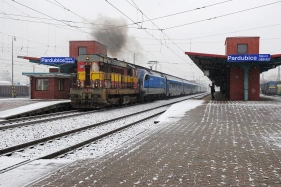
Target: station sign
[248, 58]
[57, 60]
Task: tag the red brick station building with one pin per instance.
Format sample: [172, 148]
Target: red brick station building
[237, 79]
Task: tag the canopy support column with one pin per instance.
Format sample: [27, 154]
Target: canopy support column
[246, 68]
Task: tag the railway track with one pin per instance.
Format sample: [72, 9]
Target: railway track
[18, 122]
[76, 137]
[31, 120]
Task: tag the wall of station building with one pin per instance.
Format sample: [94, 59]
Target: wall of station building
[236, 76]
[53, 91]
[232, 42]
[236, 73]
[92, 47]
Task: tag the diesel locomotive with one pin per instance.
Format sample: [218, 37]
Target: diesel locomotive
[103, 81]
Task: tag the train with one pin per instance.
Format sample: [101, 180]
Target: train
[19, 90]
[269, 88]
[103, 81]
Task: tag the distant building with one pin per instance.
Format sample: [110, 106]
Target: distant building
[5, 83]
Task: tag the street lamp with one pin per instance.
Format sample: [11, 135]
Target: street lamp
[13, 89]
[153, 62]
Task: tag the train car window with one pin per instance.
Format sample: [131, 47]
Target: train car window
[130, 71]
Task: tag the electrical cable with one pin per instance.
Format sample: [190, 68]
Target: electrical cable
[232, 13]
[191, 10]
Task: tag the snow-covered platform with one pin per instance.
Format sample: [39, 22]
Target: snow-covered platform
[212, 143]
[18, 107]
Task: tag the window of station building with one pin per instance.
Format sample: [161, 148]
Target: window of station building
[82, 50]
[242, 48]
[42, 84]
[61, 85]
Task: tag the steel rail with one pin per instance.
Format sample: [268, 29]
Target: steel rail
[70, 148]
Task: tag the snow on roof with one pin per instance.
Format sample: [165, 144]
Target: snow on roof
[5, 83]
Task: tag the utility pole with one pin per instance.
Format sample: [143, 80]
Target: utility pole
[13, 89]
[278, 76]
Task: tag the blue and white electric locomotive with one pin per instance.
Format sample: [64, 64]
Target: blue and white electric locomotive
[155, 85]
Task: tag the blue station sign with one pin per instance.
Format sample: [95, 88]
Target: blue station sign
[57, 60]
[248, 58]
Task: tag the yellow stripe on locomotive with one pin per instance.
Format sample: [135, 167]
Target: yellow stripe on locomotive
[103, 81]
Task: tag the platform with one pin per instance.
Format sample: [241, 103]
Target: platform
[219, 143]
[20, 107]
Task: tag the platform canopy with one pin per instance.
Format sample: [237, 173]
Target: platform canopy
[215, 66]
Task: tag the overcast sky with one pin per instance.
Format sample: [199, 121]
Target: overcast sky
[44, 28]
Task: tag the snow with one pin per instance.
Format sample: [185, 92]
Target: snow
[26, 174]
[178, 110]
[5, 83]
[31, 107]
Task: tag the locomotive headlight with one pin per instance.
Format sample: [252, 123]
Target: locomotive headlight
[96, 83]
[78, 83]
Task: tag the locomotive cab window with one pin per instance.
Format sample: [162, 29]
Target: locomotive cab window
[146, 77]
[42, 84]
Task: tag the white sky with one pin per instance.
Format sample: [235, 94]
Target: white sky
[36, 38]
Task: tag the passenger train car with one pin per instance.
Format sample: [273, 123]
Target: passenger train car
[269, 88]
[104, 81]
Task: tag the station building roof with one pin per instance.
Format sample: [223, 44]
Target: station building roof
[215, 66]
[47, 75]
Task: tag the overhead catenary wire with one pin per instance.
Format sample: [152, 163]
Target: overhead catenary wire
[169, 15]
[224, 15]
[144, 30]
[154, 38]
[131, 20]
[164, 34]
[128, 27]
[106, 30]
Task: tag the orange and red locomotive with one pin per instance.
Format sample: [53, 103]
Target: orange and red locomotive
[103, 81]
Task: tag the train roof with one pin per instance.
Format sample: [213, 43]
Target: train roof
[115, 60]
[149, 70]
